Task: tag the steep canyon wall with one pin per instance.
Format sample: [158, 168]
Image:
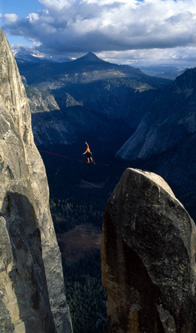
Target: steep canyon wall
[32, 296]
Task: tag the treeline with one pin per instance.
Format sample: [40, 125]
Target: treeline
[85, 294]
[68, 214]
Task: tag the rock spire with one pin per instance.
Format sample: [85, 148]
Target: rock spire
[148, 258]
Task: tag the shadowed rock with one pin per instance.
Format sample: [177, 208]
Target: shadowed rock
[148, 258]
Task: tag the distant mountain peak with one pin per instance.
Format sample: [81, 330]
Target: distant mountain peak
[90, 57]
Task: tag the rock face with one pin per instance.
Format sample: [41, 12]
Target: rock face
[148, 258]
[63, 127]
[32, 297]
[40, 101]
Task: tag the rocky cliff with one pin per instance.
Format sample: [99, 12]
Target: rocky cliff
[148, 258]
[170, 121]
[40, 101]
[165, 140]
[32, 297]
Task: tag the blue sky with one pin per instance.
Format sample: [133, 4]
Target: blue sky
[123, 31]
[20, 7]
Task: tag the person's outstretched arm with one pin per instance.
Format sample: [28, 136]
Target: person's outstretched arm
[87, 148]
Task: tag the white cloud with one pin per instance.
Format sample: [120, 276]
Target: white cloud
[56, 5]
[10, 19]
[33, 17]
[179, 56]
[131, 26]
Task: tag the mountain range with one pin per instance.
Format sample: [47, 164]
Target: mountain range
[147, 120]
[106, 99]
[89, 68]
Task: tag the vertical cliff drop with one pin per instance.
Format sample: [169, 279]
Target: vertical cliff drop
[32, 296]
[148, 258]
